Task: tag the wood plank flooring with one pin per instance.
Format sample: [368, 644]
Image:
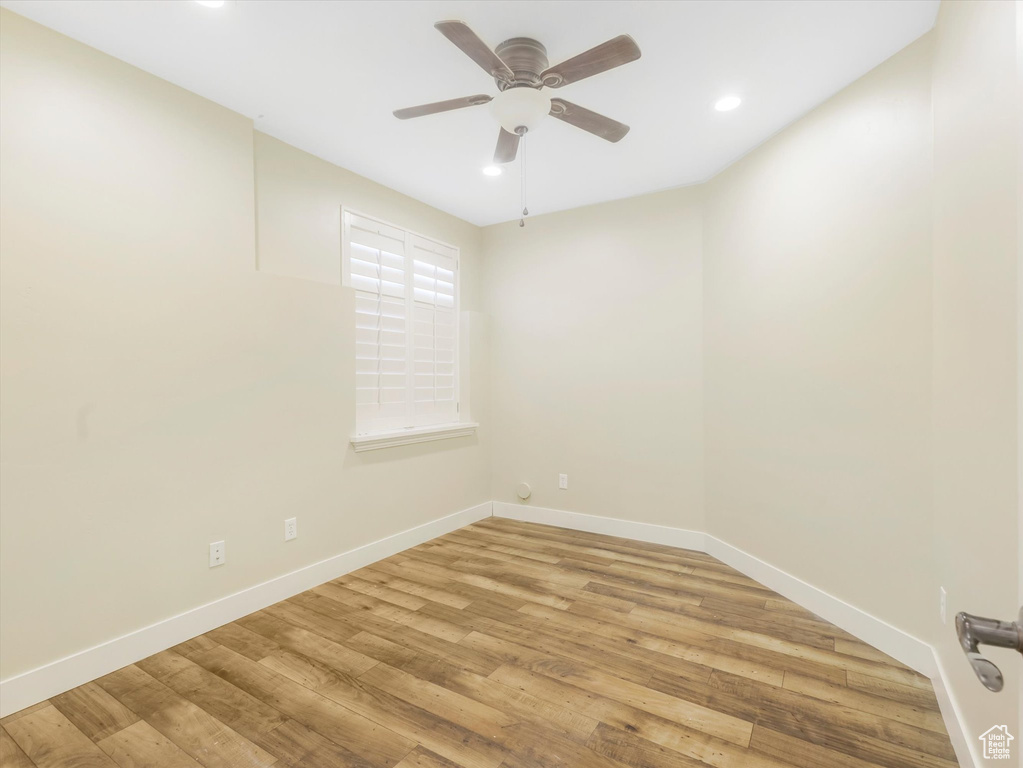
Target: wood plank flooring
[505, 645]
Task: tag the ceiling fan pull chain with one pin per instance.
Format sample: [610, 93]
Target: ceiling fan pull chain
[522, 176]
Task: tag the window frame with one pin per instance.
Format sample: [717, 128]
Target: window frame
[384, 436]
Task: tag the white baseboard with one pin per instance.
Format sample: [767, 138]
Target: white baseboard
[909, 650]
[965, 748]
[912, 652]
[39, 684]
[610, 526]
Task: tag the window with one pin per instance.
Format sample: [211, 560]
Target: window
[406, 326]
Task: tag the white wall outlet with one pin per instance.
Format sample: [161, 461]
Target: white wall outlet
[563, 482]
[944, 605]
[290, 528]
[217, 554]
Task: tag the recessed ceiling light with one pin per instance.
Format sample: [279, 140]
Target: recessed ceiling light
[493, 170]
[211, 3]
[727, 104]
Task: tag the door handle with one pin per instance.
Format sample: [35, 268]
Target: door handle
[974, 631]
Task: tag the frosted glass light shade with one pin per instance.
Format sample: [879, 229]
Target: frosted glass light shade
[520, 107]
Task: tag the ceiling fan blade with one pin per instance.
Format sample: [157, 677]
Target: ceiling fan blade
[507, 147]
[458, 32]
[580, 117]
[613, 53]
[441, 106]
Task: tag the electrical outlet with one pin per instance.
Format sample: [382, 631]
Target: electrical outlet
[944, 605]
[217, 554]
[563, 482]
[290, 528]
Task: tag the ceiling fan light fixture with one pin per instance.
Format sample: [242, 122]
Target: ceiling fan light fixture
[492, 170]
[520, 107]
[211, 3]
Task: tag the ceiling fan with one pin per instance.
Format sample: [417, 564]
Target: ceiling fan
[520, 68]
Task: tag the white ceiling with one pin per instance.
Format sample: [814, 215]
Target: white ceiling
[325, 77]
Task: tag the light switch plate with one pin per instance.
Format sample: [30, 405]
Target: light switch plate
[563, 482]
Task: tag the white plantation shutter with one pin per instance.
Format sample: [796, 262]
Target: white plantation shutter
[406, 326]
[377, 272]
[435, 332]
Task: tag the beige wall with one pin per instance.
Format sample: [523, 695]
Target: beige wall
[1019, 330]
[861, 269]
[801, 277]
[975, 335]
[298, 198]
[858, 333]
[812, 357]
[158, 393]
[597, 361]
[817, 310]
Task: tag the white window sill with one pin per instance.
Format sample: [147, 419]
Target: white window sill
[377, 440]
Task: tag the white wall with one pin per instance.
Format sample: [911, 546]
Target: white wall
[976, 337]
[158, 392]
[597, 361]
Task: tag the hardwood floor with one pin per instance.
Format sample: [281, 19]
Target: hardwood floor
[505, 645]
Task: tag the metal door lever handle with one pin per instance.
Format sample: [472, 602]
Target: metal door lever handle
[975, 631]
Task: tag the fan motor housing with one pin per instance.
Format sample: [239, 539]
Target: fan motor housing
[526, 57]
